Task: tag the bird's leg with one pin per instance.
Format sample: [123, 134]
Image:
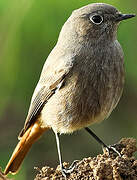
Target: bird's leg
[65, 171]
[108, 148]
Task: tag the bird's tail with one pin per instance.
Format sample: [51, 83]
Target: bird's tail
[26, 141]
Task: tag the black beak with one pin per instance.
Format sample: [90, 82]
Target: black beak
[122, 17]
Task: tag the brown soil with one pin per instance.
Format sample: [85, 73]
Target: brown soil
[103, 167]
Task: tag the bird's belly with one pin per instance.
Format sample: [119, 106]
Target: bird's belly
[71, 108]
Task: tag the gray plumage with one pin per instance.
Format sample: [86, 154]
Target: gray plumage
[81, 82]
[89, 60]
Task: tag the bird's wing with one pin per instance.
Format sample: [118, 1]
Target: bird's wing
[41, 97]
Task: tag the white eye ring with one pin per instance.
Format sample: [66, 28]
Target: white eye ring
[96, 19]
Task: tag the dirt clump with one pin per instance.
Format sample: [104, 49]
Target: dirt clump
[106, 166]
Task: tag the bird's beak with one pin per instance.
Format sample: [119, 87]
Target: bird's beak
[122, 17]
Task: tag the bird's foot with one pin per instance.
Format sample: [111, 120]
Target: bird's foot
[69, 170]
[112, 149]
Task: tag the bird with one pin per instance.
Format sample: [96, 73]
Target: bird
[81, 81]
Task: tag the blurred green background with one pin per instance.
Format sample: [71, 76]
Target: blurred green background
[28, 32]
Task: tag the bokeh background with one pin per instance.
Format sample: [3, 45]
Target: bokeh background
[28, 32]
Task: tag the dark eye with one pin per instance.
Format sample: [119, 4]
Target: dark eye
[96, 19]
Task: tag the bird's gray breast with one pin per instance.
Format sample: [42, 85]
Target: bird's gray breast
[90, 90]
[95, 84]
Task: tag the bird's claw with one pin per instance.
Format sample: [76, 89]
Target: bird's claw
[67, 171]
[112, 148]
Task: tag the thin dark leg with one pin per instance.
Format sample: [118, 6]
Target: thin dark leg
[95, 137]
[65, 171]
[101, 142]
[59, 152]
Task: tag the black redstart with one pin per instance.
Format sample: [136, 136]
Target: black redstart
[81, 82]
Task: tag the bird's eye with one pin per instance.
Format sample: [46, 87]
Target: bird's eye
[96, 19]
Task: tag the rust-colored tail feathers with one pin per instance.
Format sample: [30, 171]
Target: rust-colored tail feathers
[26, 141]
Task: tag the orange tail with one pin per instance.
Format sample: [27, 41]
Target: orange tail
[30, 136]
